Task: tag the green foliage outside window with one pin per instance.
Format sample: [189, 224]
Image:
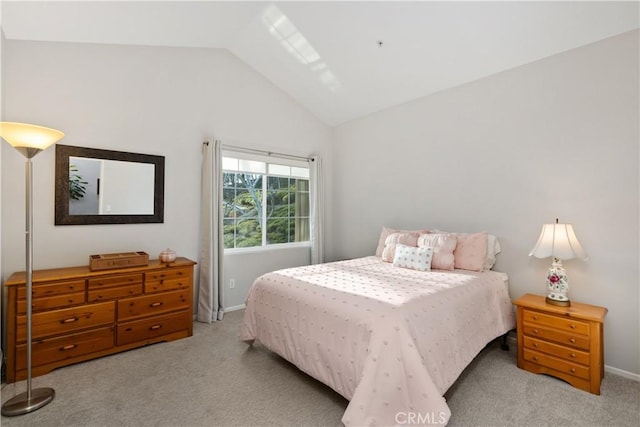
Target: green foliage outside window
[286, 202]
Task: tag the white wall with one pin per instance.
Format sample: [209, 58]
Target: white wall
[151, 100]
[555, 138]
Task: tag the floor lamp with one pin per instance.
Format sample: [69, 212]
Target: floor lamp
[28, 140]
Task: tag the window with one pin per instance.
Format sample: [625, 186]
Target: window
[264, 203]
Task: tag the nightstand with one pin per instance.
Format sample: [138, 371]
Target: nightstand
[565, 342]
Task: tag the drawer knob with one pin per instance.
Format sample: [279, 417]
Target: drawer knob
[155, 304]
[155, 327]
[535, 358]
[69, 320]
[572, 341]
[573, 371]
[535, 331]
[572, 326]
[573, 355]
[535, 344]
[68, 347]
[535, 317]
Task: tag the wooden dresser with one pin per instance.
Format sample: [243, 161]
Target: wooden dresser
[565, 342]
[80, 314]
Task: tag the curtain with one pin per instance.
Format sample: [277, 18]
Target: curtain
[317, 210]
[210, 286]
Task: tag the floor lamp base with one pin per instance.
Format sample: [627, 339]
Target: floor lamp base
[20, 404]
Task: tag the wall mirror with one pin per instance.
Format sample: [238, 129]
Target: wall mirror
[96, 186]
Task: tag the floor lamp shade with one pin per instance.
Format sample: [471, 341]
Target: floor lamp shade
[558, 241]
[28, 140]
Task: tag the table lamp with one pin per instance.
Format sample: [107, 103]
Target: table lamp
[560, 242]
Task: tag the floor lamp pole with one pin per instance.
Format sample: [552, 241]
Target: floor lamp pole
[32, 399]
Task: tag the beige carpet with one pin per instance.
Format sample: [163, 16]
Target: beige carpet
[212, 379]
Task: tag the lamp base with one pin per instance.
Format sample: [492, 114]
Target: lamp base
[21, 404]
[565, 303]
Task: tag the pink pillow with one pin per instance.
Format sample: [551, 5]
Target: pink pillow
[394, 239]
[443, 245]
[385, 233]
[471, 251]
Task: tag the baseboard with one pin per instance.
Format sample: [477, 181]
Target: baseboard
[622, 373]
[235, 308]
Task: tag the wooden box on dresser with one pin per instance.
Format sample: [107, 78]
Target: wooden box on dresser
[565, 342]
[79, 314]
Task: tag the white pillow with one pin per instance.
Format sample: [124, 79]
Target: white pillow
[493, 249]
[412, 257]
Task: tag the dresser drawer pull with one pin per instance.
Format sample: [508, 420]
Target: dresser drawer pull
[573, 370]
[155, 304]
[155, 327]
[535, 317]
[573, 355]
[68, 347]
[535, 358]
[535, 331]
[572, 326]
[69, 320]
[572, 341]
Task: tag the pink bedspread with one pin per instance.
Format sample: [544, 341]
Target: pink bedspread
[390, 340]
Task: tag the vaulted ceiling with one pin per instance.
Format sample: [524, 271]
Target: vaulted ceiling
[340, 60]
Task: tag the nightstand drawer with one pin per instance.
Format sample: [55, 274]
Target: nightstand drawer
[561, 351]
[556, 322]
[557, 364]
[574, 340]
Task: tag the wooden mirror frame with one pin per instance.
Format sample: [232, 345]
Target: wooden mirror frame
[62, 217]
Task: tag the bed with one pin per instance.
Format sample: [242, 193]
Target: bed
[390, 340]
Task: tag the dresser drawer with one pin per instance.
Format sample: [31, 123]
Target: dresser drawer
[113, 293]
[573, 340]
[64, 321]
[169, 274]
[556, 322]
[570, 354]
[58, 301]
[119, 280]
[140, 330]
[131, 308]
[167, 285]
[66, 347]
[557, 364]
[51, 289]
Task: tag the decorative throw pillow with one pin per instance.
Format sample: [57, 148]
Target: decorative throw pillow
[471, 251]
[385, 233]
[409, 239]
[412, 257]
[443, 245]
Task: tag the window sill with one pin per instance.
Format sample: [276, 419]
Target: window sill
[268, 248]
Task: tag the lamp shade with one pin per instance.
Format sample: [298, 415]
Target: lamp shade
[558, 241]
[29, 139]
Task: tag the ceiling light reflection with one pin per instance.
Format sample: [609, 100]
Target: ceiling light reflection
[292, 40]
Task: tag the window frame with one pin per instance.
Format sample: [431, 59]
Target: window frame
[268, 160]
